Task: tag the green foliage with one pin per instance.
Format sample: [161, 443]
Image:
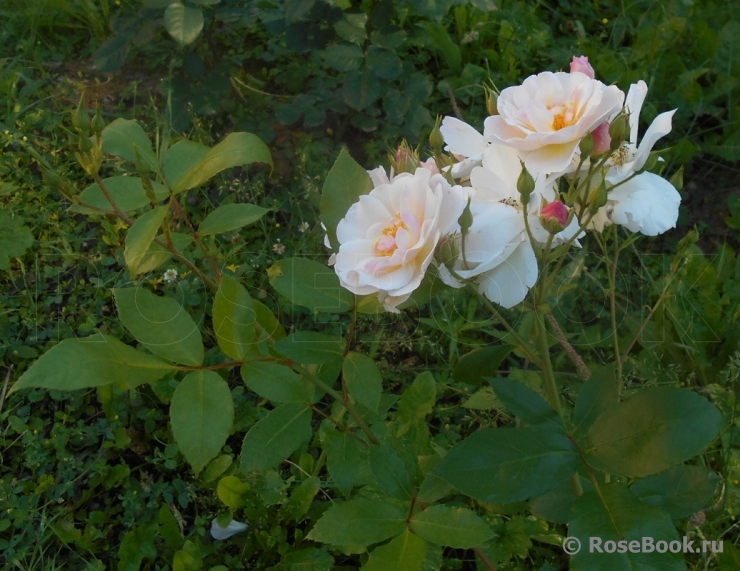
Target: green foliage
[202, 412]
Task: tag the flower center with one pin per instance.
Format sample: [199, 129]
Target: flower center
[562, 116]
[386, 245]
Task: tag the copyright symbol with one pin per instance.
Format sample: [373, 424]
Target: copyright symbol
[571, 545]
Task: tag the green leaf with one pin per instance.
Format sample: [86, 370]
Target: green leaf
[483, 399]
[729, 559]
[309, 348]
[554, 505]
[310, 559]
[302, 498]
[651, 431]
[160, 324]
[276, 437]
[92, 362]
[137, 544]
[310, 284]
[168, 528]
[216, 467]
[343, 57]
[598, 394]
[358, 522]
[452, 527]
[230, 217]
[506, 465]
[183, 23]
[180, 158]
[124, 137]
[390, 37]
[343, 460]
[140, 237]
[201, 412]
[474, 367]
[156, 256]
[15, 238]
[352, 28]
[127, 191]
[384, 63]
[417, 401]
[344, 185]
[526, 405]
[681, 491]
[232, 491]
[433, 489]
[390, 472]
[276, 383]
[404, 553]
[233, 318]
[295, 10]
[236, 150]
[612, 513]
[363, 379]
[361, 89]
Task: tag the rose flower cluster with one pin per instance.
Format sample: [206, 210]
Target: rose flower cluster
[560, 156]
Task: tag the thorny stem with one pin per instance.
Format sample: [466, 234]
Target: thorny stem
[171, 248]
[484, 559]
[518, 338]
[178, 208]
[581, 367]
[5, 387]
[613, 308]
[338, 397]
[338, 424]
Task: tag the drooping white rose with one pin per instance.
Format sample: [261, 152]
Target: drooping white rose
[387, 239]
[546, 117]
[499, 256]
[645, 203]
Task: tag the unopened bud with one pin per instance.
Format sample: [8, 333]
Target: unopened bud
[554, 217]
[602, 140]
[81, 120]
[581, 65]
[491, 100]
[525, 184]
[404, 159]
[619, 130]
[466, 219]
[691, 238]
[447, 251]
[84, 144]
[586, 145]
[677, 179]
[98, 123]
[598, 197]
[436, 139]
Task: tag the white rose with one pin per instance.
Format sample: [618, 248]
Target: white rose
[546, 117]
[646, 202]
[387, 239]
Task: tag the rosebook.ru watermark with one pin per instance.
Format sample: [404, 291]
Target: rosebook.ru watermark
[572, 545]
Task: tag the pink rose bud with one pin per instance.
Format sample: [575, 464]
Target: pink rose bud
[556, 211]
[602, 140]
[401, 154]
[581, 64]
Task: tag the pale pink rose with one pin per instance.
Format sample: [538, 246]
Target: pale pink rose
[602, 139]
[387, 239]
[581, 64]
[546, 117]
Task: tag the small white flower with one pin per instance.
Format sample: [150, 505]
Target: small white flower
[278, 248]
[303, 227]
[221, 533]
[170, 275]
